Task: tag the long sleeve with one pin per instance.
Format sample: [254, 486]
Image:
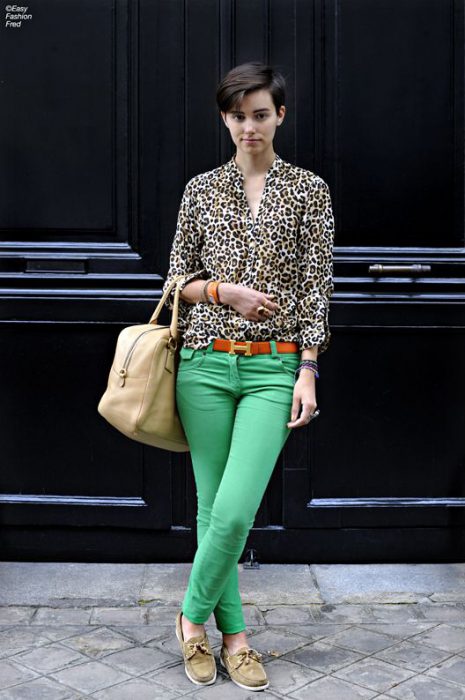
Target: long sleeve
[185, 254]
[315, 250]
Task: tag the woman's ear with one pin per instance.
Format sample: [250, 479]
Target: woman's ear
[224, 117]
[281, 114]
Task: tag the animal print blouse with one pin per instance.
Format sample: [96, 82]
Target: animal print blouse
[286, 251]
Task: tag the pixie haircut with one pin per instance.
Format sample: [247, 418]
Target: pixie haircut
[246, 78]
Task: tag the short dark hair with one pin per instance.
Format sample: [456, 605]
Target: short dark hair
[246, 78]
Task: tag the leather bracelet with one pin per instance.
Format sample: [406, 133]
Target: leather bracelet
[212, 292]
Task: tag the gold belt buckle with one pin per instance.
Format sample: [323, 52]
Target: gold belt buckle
[234, 346]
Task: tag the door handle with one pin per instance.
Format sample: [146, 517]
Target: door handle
[407, 269]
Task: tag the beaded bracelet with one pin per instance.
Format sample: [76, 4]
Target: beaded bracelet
[311, 364]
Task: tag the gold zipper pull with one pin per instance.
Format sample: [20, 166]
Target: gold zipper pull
[122, 374]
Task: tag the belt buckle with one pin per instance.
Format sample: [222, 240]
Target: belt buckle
[234, 346]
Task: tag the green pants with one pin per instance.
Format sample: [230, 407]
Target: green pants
[234, 410]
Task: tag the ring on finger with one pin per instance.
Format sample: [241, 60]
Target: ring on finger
[263, 307]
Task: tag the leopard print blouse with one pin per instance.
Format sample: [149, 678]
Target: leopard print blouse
[286, 251]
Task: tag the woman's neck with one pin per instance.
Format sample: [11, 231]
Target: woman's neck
[251, 165]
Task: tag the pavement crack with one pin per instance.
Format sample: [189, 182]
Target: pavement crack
[314, 578]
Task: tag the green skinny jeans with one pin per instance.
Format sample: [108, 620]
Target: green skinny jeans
[234, 410]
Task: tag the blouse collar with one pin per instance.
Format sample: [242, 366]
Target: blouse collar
[236, 174]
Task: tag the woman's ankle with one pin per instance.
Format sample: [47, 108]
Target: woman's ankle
[233, 642]
[190, 629]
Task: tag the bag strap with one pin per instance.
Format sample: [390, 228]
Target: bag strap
[174, 315]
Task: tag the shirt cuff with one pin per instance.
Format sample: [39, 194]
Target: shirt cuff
[312, 338]
[188, 278]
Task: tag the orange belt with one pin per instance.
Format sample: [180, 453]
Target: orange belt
[252, 347]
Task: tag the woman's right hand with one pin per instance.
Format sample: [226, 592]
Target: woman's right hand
[246, 300]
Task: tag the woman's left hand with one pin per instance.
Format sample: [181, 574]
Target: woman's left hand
[305, 397]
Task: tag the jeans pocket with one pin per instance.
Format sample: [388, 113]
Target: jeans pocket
[190, 359]
[289, 361]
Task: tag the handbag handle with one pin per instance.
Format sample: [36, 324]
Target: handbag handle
[174, 316]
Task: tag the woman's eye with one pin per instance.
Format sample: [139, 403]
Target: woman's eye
[240, 117]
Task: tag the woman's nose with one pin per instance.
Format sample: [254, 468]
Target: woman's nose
[249, 127]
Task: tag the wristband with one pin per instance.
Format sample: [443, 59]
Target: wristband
[310, 364]
[212, 292]
[203, 294]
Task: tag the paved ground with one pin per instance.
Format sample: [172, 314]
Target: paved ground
[327, 632]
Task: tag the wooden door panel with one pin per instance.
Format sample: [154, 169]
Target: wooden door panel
[62, 462]
[100, 133]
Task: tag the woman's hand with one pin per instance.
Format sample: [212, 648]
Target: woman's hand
[304, 396]
[246, 300]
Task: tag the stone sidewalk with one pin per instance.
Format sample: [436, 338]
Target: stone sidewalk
[327, 632]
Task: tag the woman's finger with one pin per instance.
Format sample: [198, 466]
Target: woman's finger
[295, 408]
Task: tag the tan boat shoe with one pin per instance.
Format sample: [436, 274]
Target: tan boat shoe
[199, 661]
[244, 668]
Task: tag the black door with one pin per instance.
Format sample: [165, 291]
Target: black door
[108, 109]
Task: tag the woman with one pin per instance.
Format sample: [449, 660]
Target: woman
[254, 238]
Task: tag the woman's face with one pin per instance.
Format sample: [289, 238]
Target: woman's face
[252, 124]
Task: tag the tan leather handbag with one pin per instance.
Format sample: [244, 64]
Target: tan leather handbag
[140, 399]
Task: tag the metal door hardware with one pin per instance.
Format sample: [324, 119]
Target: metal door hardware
[407, 269]
[250, 561]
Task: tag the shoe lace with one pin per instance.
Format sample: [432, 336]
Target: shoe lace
[246, 657]
[193, 647]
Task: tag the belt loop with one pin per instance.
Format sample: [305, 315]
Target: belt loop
[274, 351]
[209, 347]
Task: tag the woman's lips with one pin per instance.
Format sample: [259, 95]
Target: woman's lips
[250, 140]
